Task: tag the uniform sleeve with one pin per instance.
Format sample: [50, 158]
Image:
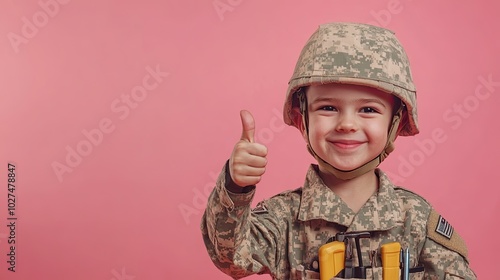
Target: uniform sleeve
[239, 242]
[444, 254]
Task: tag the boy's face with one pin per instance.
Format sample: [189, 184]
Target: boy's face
[348, 124]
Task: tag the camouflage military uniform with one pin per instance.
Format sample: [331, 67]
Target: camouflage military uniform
[282, 235]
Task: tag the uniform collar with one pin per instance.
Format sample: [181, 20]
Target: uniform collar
[381, 212]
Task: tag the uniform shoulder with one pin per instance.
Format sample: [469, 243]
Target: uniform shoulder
[443, 233]
[437, 228]
[284, 200]
[413, 200]
[288, 193]
[403, 194]
[409, 193]
[289, 198]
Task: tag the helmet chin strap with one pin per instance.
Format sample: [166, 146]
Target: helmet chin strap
[370, 165]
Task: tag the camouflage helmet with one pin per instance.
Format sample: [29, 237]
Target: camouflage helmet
[360, 54]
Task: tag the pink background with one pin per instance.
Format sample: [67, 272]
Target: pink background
[130, 206]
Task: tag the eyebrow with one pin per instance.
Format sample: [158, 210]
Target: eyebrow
[320, 99]
[368, 100]
[337, 100]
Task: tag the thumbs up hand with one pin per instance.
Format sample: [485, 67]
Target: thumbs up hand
[248, 159]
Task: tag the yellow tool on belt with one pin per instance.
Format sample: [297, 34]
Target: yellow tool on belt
[336, 256]
[331, 259]
[336, 259]
[391, 254]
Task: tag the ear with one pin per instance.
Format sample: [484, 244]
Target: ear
[297, 120]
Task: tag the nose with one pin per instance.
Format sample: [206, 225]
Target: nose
[346, 123]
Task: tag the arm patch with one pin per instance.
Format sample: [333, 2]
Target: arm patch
[439, 230]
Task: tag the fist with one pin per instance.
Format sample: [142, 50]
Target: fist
[248, 159]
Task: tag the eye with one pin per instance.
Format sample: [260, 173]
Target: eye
[328, 108]
[369, 110]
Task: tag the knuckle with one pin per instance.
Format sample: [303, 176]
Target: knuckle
[257, 179]
[262, 171]
[239, 159]
[239, 146]
[237, 169]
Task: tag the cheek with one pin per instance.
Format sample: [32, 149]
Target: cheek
[378, 132]
[318, 135]
[317, 128]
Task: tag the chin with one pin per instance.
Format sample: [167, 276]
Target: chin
[347, 166]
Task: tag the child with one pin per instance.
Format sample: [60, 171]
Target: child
[350, 95]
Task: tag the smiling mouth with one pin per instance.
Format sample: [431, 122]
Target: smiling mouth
[347, 144]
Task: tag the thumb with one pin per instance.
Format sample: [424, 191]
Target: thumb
[248, 125]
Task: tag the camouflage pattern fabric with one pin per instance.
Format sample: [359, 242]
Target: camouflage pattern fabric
[282, 235]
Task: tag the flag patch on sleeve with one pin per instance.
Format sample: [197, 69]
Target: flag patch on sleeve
[444, 228]
[441, 232]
